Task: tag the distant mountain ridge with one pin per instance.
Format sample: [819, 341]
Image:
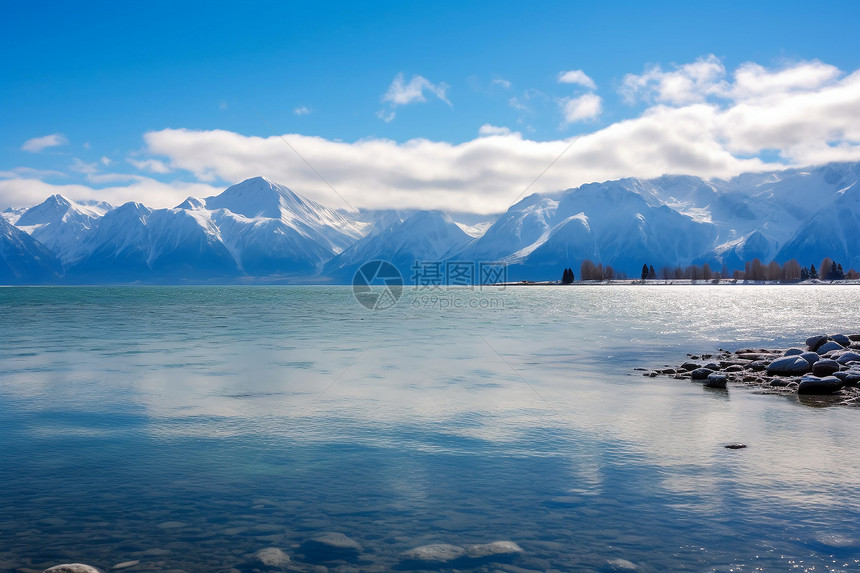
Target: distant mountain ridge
[260, 231]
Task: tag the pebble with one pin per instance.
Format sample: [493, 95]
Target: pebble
[126, 564]
[621, 565]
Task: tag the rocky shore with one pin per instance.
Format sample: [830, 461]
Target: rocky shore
[825, 365]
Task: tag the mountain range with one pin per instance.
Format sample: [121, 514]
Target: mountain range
[258, 231]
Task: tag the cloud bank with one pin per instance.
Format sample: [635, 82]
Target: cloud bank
[698, 119]
[38, 144]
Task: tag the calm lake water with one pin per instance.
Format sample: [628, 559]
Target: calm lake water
[187, 428]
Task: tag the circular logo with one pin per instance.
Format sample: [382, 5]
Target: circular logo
[377, 285]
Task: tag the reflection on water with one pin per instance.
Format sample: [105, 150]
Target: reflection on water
[187, 428]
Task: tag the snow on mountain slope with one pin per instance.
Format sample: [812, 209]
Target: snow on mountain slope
[259, 198]
[62, 225]
[133, 242]
[425, 236]
[23, 259]
[833, 232]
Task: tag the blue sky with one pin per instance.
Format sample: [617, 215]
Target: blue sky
[414, 104]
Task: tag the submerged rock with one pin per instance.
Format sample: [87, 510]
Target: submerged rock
[435, 553]
[72, 568]
[493, 550]
[841, 339]
[621, 565]
[272, 557]
[330, 546]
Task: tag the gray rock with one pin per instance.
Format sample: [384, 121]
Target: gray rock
[827, 347]
[793, 352]
[733, 368]
[812, 385]
[72, 568]
[126, 564]
[711, 366]
[854, 337]
[813, 342]
[847, 357]
[273, 557]
[435, 553]
[811, 357]
[716, 380]
[621, 565]
[493, 551]
[701, 373]
[825, 367]
[689, 366]
[758, 365]
[841, 339]
[329, 546]
[789, 366]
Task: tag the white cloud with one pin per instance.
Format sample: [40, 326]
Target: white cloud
[488, 129]
[689, 83]
[153, 165]
[400, 93]
[586, 106]
[501, 82]
[28, 191]
[38, 144]
[577, 77]
[753, 80]
[302, 110]
[706, 123]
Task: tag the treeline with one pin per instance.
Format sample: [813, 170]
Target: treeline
[754, 270]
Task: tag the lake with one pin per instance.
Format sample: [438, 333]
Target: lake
[188, 428]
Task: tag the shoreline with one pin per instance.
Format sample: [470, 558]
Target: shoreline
[823, 371]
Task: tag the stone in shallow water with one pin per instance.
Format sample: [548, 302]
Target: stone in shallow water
[828, 346]
[72, 568]
[847, 357]
[701, 373]
[330, 546]
[434, 553]
[813, 342]
[793, 352]
[812, 385]
[789, 365]
[716, 380]
[273, 557]
[126, 564]
[496, 549]
[735, 446]
[811, 357]
[841, 339]
[621, 565]
[825, 367]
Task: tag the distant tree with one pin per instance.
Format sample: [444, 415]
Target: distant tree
[665, 273]
[738, 275]
[791, 270]
[651, 273]
[840, 272]
[804, 274]
[567, 277]
[706, 272]
[644, 272]
[824, 269]
[852, 275]
[724, 272]
[608, 273]
[754, 271]
[813, 274]
[773, 272]
[588, 271]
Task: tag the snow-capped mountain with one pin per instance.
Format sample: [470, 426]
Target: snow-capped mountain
[424, 236]
[261, 231]
[23, 259]
[62, 225]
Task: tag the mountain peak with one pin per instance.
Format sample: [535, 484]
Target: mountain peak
[255, 197]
